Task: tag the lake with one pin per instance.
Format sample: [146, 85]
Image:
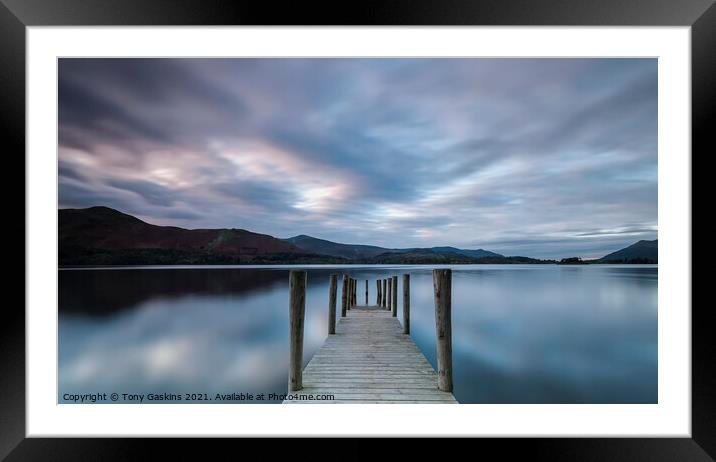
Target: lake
[521, 333]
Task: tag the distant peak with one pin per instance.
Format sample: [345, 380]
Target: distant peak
[300, 237]
[99, 212]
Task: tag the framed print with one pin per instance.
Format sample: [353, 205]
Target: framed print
[410, 220]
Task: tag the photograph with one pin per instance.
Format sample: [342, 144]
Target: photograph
[465, 220]
[350, 230]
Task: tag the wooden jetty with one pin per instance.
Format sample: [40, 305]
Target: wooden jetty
[369, 356]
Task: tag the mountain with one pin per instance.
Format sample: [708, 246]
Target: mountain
[356, 251]
[639, 252]
[334, 249]
[104, 236]
[105, 228]
[479, 253]
[101, 235]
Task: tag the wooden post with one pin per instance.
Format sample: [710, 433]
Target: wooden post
[296, 313]
[332, 304]
[406, 304]
[377, 292]
[442, 282]
[366, 292]
[344, 297]
[380, 283]
[395, 296]
[390, 292]
[385, 291]
[350, 292]
[382, 291]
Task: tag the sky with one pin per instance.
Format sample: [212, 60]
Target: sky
[546, 158]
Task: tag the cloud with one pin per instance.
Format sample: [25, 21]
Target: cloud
[152, 193]
[521, 156]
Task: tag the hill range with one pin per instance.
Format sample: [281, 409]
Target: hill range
[104, 236]
[639, 252]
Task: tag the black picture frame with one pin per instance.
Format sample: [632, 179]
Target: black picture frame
[700, 15]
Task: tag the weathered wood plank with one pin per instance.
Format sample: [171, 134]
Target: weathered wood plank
[442, 284]
[370, 360]
[394, 305]
[332, 304]
[385, 391]
[344, 297]
[406, 304]
[297, 310]
[370, 385]
[377, 292]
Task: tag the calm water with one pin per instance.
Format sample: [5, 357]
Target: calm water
[521, 334]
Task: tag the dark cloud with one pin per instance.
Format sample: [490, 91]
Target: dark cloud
[67, 172]
[152, 193]
[542, 157]
[79, 195]
[97, 114]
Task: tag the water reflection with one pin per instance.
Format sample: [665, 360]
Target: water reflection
[99, 292]
[521, 334]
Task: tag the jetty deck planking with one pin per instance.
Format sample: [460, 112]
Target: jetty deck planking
[370, 360]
